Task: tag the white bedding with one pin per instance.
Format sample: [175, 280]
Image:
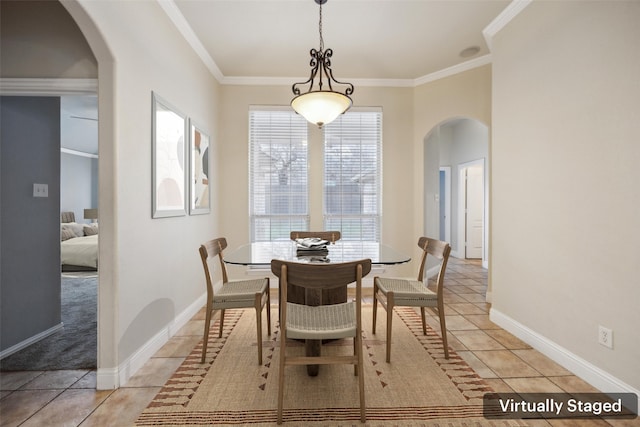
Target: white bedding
[81, 251]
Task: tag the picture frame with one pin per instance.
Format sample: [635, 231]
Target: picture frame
[199, 170]
[169, 159]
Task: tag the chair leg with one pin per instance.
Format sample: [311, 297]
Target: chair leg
[205, 340]
[424, 321]
[258, 307]
[221, 323]
[360, 370]
[355, 353]
[443, 329]
[390, 304]
[268, 312]
[375, 306]
[281, 375]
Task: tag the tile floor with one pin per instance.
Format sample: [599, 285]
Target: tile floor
[69, 398]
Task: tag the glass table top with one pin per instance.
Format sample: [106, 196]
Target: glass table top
[261, 253]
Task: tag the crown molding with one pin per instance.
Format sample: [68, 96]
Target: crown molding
[288, 81]
[185, 29]
[456, 69]
[511, 11]
[47, 87]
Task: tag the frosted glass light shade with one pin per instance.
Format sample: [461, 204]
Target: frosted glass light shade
[321, 107]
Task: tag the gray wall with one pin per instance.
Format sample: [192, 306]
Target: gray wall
[79, 163]
[29, 226]
[79, 184]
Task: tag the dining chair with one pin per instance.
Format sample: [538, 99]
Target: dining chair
[330, 236]
[392, 292]
[334, 321]
[232, 294]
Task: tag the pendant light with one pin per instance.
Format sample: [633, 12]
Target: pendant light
[321, 105]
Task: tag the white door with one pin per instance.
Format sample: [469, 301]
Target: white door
[474, 204]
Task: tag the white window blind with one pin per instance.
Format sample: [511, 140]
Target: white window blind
[353, 175]
[278, 159]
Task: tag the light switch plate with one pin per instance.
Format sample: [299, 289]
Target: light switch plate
[40, 190]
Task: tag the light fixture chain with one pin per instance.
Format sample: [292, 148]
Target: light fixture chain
[320, 29]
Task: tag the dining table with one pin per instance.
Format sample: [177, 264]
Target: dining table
[260, 254]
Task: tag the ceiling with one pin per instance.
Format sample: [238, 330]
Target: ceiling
[375, 40]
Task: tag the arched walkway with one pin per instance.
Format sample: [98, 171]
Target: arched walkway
[453, 150]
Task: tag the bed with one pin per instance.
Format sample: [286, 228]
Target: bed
[78, 244]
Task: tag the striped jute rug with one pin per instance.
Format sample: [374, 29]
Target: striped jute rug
[419, 386]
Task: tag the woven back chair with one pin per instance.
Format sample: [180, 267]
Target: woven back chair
[232, 294]
[392, 292]
[334, 321]
[329, 236]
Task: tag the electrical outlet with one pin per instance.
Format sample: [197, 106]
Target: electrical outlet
[605, 336]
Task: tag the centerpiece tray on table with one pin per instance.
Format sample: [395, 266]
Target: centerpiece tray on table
[312, 249]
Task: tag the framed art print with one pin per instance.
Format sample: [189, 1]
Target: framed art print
[169, 131]
[199, 191]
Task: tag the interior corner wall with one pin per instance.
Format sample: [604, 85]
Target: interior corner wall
[565, 175]
[29, 226]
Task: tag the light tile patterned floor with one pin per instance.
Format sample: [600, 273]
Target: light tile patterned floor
[69, 398]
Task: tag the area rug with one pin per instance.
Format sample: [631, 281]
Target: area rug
[418, 387]
[75, 345]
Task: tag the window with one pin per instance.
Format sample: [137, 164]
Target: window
[353, 175]
[278, 174]
[279, 168]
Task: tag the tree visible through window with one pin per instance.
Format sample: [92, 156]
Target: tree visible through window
[352, 175]
[279, 189]
[278, 174]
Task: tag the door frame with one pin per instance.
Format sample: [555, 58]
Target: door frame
[447, 201]
[462, 167]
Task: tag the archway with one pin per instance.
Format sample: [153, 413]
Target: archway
[452, 149]
[107, 373]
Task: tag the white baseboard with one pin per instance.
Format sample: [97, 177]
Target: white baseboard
[595, 376]
[31, 340]
[112, 378]
[107, 378]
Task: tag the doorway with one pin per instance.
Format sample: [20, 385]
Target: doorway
[444, 198]
[450, 148]
[71, 343]
[472, 209]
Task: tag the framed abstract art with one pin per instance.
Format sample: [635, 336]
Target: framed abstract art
[199, 166]
[169, 164]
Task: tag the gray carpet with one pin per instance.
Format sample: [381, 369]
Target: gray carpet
[73, 347]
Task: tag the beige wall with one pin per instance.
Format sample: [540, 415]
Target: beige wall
[566, 203]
